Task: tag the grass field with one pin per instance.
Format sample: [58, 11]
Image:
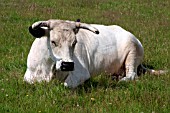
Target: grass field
[149, 20]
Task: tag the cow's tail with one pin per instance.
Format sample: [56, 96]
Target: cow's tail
[154, 72]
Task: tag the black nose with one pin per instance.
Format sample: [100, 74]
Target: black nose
[67, 66]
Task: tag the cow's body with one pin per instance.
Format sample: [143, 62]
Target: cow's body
[105, 52]
[108, 51]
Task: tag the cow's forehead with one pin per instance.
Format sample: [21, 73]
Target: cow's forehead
[62, 31]
[62, 25]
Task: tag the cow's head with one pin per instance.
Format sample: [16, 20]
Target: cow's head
[61, 39]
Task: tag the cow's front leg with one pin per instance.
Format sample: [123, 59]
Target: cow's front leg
[76, 78]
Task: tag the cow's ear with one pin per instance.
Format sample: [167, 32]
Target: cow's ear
[38, 32]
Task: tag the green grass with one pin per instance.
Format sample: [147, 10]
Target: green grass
[147, 20]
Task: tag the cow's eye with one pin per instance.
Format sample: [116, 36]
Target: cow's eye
[53, 43]
[65, 29]
[74, 43]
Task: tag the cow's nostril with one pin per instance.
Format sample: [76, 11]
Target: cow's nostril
[67, 66]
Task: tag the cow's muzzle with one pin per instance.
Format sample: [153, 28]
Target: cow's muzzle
[67, 66]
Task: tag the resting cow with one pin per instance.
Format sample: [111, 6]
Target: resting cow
[73, 52]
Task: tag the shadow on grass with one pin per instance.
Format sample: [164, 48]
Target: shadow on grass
[106, 82]
[141, 71]
[92, 85]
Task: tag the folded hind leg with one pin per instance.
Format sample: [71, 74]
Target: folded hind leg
[131, 73]
[131, 64]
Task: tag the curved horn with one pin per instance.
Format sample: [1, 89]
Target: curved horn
[36, 29]
[88, 27]
[40, 24]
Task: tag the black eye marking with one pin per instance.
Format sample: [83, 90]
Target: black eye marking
[66, 30]
[53, 43]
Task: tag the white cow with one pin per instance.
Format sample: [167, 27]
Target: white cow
[73, 52]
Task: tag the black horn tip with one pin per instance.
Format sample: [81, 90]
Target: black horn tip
[38, 33]
[97, 32]
[78, 20]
